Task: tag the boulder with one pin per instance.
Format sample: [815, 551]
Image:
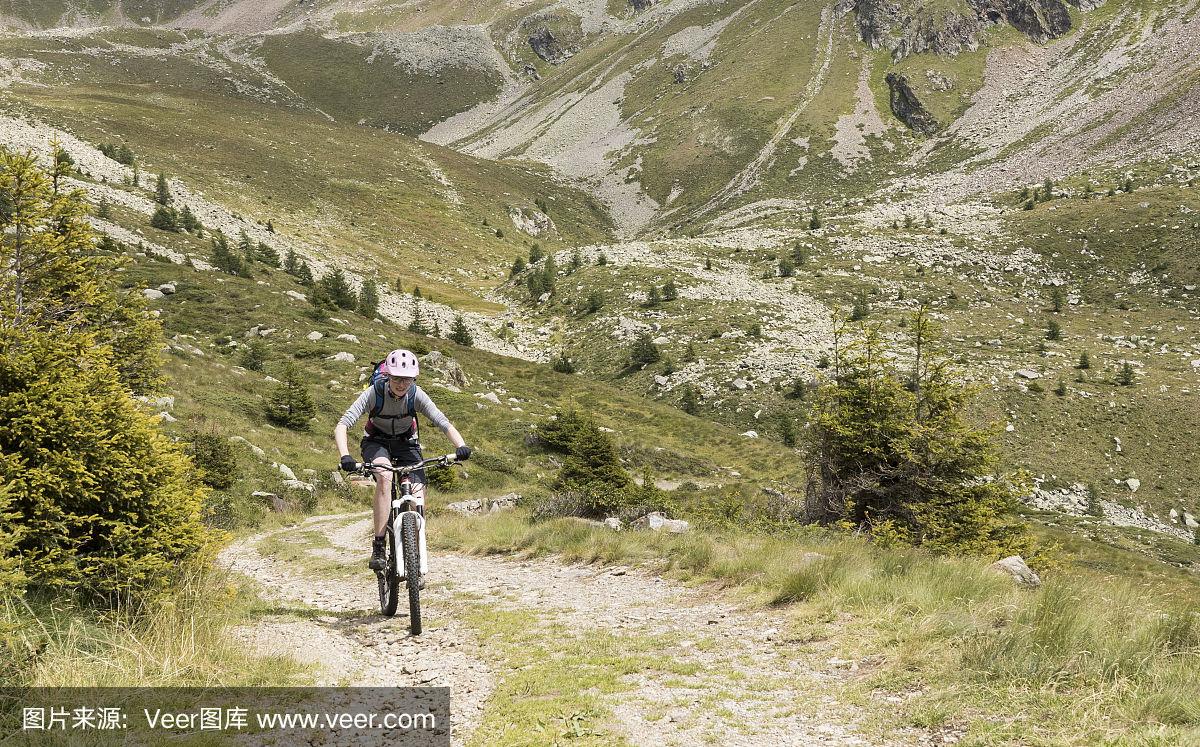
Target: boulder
[299, 485]
[277, 504]
[258, 452]
[448, 367]
[1174, 516]
[466, 508]
[343, 356]
[296, 296]
[1014, 566]
[657, 522]
[167, 402]
[740, 384]
[347, 337]
[545, 45]
[751, 434]
[152, 294]
[504, 502]
[614, 524]
[1029, 373]
[335, 476]
[166, 417]
[490, 397]
[166, 289]
[284, 470]
[908, 108]
[314, 335]
[1133, 484]
[1190, 522]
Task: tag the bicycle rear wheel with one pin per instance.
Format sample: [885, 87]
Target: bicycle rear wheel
[389, 577]
[412, 570]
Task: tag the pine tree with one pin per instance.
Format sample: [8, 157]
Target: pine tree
[270, 226]
[894, 452]
[550, 274]
[707, 263]
[652, 296]
[786, 267]
[245, 247]
[459, 332]
[576, 260]
[254, 355]
[563, 364]
[602, 260]
[595, 301]
[1047, 190]
[518, 266]
[799, 255]
[165, 219]
[644, 351]
[305, 275]
[417, 324]
[1085, 361]
[535, 253]
[137, 176]
[104, 209]
[689, 353]
[1127, 186]
[670, 292]
[291, 405]
[368, 299]
[188, 221]
[416, 291]
[1053, 330]
[399, 285]
[291, 262]
[814, 221]
[225, 259]
[787, 431]
[162, 191]
[338, 289]
[1061, 389]
[1056, 300]
[1126, 376]
[61, 166]
[265, 254]
[689, 402]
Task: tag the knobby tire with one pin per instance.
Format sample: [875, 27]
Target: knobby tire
[389, 578]
[412, 570]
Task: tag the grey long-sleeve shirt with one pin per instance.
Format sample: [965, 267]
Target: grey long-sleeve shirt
[393, 418]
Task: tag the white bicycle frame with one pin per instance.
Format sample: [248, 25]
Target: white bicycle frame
[398, 522]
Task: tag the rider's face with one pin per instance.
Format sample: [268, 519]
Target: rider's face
[400, 384]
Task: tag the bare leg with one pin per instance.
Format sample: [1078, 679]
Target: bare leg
[383, 496]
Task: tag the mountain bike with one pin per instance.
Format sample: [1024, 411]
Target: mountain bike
[404, 546]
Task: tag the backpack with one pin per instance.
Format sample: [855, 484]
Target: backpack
[379, 382]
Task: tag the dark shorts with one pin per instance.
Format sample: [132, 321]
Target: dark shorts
[403, 451]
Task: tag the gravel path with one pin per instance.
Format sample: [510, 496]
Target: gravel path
[751, 685]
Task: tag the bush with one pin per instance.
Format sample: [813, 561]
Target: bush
[166, 218]
[443, 478]
[215, 458]
[254, 355]
[644, 351]
[117, 512]
[290, 405]
[894, 454]
[563, 364]
[592, 468]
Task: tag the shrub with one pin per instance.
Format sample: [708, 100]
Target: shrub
[166, 218]
[594, 303]
[254, 355]
[336, 289]
[368, 299]
[535, 253]
[290, 405]
[670, 291]
[1126, 376]
[563, 364]
[894, 452]
[591, 468]
[518, 266]
[117, 512]
[689, 402]
[215, 458]
[443, 478]
[644, 351]
[1053, 330]
[459, 332]
[1085, 361]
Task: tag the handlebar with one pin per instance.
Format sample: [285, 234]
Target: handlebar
[367, 468]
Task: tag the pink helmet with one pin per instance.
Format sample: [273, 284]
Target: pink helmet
[401, 363]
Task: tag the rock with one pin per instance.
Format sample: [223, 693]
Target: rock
[1009, 427]
[167, 402]
[659, 523]
[448, 367]
[347, 337]
[343, 356]
[152, 294]
[504, 502]
[548, 47]
[284, 470]
[167, 289]
[277, 504]
[490, 397]
[1029, 373]
[258, 452]
[335, 476]
[908, 108]
[751, 434]
[1014, 565]
[165, 417]
[266, 332]
[466, 508]
[532, 222]
[614, 524]
[314, 335]
[1133, 483]
[296, 296]
[1190, 522]
[639, 5]
[1174, 516]
[298, 485]
[740, 384]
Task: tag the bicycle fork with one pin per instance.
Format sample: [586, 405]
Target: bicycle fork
[397, 521]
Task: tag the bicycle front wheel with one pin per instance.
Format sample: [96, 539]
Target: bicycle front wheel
[412, 570]
[389, 577]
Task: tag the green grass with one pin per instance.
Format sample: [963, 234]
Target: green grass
[959, 643]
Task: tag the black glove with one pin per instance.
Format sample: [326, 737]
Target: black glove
[462, 453]
[348, 464]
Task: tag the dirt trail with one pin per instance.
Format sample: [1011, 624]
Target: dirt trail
[750, 685]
